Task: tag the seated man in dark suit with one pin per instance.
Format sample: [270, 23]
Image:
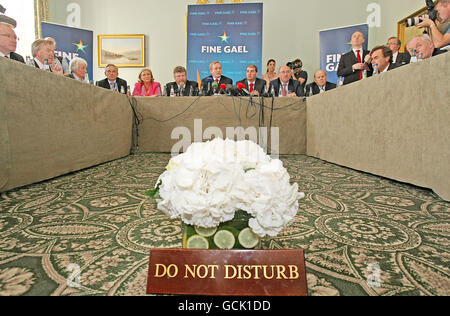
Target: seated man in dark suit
[112, 80]
[215, 68]
[285, 86]
[8, 43]
[398, 59]
[181, 86]
[382, 59]
[320, 84]
[253, 84]
[352, 64]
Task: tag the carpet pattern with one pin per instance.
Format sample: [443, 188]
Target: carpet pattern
[90, 232]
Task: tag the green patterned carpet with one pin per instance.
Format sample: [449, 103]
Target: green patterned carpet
[98, 219]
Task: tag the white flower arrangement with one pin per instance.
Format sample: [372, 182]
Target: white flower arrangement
[211, 181]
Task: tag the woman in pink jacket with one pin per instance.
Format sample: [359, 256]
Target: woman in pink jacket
[146, 86]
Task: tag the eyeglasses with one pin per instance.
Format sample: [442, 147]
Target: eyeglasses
[11, 37]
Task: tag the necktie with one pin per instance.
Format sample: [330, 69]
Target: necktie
[284, 90]
[358, 55]
[251, 87]
[217, 80]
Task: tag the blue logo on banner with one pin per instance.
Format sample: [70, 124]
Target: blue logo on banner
[335, 43]
[228, 33]
[71, 42]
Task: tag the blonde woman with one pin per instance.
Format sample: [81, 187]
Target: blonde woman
[146, 86]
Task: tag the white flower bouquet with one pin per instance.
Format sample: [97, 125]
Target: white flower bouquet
[208, 184]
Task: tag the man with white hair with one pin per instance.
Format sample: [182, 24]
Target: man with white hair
[8, 41]
[78, 68]
[423, 45]
[42, 50]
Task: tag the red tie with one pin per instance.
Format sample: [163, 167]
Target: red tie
[217, 80]
[251, 87]
[359, 61]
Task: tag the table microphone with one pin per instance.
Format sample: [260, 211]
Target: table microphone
[241, 88]
[223, 88]
[215, 87]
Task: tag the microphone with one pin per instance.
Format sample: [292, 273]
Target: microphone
[215, 87]
[223, 88]
[241, 88]
[209, 80]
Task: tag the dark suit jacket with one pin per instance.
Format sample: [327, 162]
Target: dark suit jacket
[316, 90]
[345, 67]
[120, 83]
[260, 85]
[16, 57]
[393, 66]
[187, 88]
[294, 86]
[402, 59]
[223, 80]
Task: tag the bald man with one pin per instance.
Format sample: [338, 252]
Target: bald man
[8, 43]
[353, 63]
[320, 84]
[285, 86]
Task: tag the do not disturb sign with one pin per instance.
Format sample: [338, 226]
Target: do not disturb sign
[222, 272]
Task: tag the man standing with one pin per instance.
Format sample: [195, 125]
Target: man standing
[320, 84]
[112, 80]
[353, 63]
[441, 39]
[215, 68]
[298, 73]
[252, 83]
[398, 59]
[285, 86]
[8, 43]
[382, 59]
[181, 86]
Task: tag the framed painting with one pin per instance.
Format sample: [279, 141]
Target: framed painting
[121, 50]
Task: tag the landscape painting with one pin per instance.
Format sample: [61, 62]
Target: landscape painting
[121, 50]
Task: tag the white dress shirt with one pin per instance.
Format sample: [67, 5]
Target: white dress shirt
[394, 58]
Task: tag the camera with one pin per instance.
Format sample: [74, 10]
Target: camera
[296, 64]
[432, 14]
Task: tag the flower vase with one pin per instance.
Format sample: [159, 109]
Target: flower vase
[232, 235]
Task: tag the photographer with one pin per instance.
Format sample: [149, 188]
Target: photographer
[440, 40]
[297, 72]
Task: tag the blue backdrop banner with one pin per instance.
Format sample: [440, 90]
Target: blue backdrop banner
[71, 42]
[228, 33]
[336, 42]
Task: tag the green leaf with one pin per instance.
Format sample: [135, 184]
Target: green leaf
[154, 194]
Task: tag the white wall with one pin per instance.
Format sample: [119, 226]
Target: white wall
[291, 27]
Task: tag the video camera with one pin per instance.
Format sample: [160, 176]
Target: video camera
[296, 64]
[432, 14]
